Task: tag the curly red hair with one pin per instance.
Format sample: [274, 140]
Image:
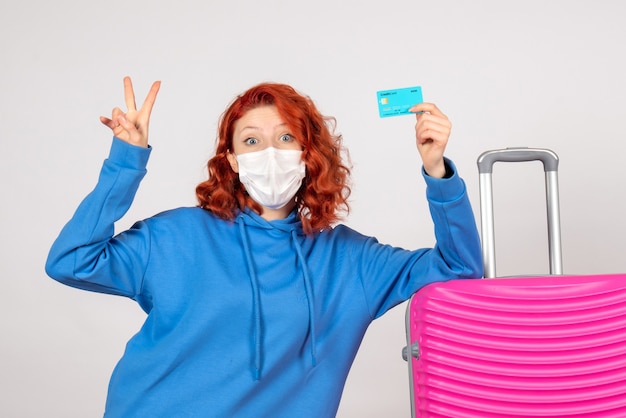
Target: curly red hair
[324, 191]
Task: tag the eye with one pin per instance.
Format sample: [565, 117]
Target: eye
[286, 138]
[251, 141]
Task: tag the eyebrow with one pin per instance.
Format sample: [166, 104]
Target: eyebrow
[280, 125]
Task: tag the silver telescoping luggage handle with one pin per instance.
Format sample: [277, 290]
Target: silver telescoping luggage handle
[485, 168]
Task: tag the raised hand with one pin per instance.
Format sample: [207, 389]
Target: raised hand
[132, 126]
[432, 131]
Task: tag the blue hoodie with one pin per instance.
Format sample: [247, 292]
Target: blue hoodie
[246, 317]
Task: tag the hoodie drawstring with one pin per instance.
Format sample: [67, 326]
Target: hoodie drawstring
[309, 296]
[256, 299]
[256, 302]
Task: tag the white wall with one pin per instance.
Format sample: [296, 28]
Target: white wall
[533, 73]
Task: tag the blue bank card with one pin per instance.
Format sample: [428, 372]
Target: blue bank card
[397, 102]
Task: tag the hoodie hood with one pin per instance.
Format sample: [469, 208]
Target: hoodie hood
[292, 227]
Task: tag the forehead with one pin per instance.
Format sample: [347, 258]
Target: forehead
[261, 117]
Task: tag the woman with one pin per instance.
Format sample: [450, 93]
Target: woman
[256, 305]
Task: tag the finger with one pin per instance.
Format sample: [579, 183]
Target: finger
[115, 115]
[129, 94]
[146, 108]
[437, 124]
[431, 136]
[106, 121]
[431, 118]
[115, 127]
[112, 122]
[435, 130]
[124, 123]
[427, 108]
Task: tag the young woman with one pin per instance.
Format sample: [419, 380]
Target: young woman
[256, 300]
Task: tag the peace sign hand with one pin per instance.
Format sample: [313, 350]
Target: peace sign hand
[132, 126]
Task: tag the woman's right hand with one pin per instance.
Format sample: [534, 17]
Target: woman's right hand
[132, 126]
[432, 132]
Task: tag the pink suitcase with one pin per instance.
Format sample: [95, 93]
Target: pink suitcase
[552, 346]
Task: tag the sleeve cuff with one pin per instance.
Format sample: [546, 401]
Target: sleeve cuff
[446, 189]
[128, 155]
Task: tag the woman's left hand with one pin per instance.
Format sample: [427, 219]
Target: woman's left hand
[432, 131]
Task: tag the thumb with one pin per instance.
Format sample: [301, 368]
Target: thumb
[124, 123]
[130, 132]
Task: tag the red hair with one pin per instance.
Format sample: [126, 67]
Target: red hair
[324, 191]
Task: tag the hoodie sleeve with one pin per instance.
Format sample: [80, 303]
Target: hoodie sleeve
[391, 275]
[85, 254]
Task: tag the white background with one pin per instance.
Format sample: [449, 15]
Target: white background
[508, 73]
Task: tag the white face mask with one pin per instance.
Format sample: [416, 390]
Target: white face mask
[271, 176]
